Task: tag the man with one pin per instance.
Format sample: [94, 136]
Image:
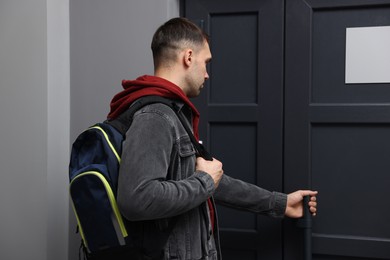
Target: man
[165, 192]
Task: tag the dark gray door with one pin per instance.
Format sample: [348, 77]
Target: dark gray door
[279, 113]
[336, 134]
[241, 111]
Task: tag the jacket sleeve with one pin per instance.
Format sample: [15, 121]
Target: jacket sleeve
[144, 192]
[241, 195]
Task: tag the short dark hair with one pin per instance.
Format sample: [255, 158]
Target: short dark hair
[174, 35]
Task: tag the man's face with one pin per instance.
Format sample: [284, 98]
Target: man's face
[198, 71]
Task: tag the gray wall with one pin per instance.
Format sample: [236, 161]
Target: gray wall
[34, 140]
[109, 41]
[50, 89]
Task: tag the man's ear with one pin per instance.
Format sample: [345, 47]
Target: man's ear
[188, 57]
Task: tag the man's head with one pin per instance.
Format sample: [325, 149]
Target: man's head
[181, 53]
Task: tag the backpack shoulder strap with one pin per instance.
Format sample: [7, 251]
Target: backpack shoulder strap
[123, 122]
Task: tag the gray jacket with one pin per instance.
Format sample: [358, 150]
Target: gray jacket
[164, 198]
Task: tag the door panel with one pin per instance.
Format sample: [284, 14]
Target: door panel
[241, 111]
[336, 134]
[234, 60]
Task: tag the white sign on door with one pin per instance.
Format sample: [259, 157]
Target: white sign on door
[367, 55]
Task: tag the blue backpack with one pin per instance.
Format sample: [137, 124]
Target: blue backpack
[93, 174]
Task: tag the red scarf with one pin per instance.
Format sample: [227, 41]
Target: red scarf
[146, 86]
[151, 85]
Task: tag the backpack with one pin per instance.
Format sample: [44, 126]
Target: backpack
[93, 174]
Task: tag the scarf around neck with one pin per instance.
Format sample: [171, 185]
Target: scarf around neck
[148, 86]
